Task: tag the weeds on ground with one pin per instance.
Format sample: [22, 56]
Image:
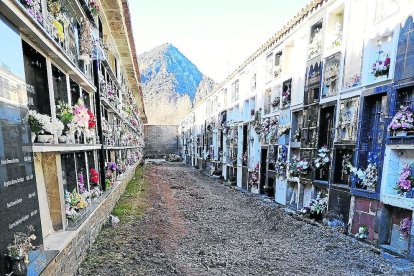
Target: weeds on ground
[131, 204]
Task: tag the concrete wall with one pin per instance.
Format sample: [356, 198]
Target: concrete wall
[160, 140]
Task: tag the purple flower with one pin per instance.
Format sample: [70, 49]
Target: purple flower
[112, 166]
[81, 183]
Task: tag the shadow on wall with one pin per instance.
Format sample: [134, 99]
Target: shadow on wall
[160, 140]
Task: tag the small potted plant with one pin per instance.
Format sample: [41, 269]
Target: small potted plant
[18, 252]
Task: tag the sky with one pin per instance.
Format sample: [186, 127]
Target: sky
[216, 35]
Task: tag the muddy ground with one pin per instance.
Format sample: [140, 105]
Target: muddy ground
[181, 222]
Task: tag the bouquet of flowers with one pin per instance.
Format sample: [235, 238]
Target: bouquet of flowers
[337, 35]
[303, 167]
[298, 167]
[106, 129]
[322, 160]
[315, 45]
[405, 227]
[40, 123]
[381, 67]
[276, 102]
[403, 120]
[112, 166]
[86, 42]
[81, 183]
[362, 232]
[34, 8]
[286, 97]
[96, 192]
[317, 206]
[64, 113]
[73, 202]
[94, 176]
[94, 8]
[281, 163]
[405, 182]
[92, 120]
[368, 178]
[254, 177]
[284, 129]
[81, 117]
[35, 121]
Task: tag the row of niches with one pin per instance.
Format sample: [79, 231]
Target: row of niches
[67, 114]
[82, 185]
[67, 26]
[117, 94]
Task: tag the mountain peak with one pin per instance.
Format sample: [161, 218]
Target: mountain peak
[168, 73]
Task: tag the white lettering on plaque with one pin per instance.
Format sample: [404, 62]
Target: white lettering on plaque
[12, 182]
[17, 222]
[13, 203]
[9, 161]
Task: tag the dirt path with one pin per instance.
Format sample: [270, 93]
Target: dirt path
[194, 225]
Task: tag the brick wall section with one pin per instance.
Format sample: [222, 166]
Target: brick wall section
[366, 214]
[69, 259]
[160, 140]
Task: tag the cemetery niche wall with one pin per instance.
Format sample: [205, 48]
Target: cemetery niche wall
[19, 209]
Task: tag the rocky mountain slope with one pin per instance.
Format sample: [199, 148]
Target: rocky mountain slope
[171, 84]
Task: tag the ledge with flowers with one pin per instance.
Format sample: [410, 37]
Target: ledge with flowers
[81, 201]
[59, 25]
[401, 127]
[397, 180]
[73, 128]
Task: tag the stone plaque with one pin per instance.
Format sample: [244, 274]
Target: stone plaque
[19, 205]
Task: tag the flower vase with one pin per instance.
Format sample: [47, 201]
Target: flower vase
[409, 194]
[401, 133]
[33, 137]
[70, 138]
[63, 139]
[78, 137]
[45, 138]
[17, 266]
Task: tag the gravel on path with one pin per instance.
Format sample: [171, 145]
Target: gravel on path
[195, 225]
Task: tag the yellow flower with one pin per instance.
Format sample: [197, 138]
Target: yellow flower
[59, 29]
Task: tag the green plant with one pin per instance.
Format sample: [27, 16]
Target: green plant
[35, 125]
[64, 113]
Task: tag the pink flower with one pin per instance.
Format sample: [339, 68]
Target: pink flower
[405, 184]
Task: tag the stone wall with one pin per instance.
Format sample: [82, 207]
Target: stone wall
[74, 252]
[365, 213]
[160, 140]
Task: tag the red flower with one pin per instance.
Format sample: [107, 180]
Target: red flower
[92, 121]
[94, 176]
